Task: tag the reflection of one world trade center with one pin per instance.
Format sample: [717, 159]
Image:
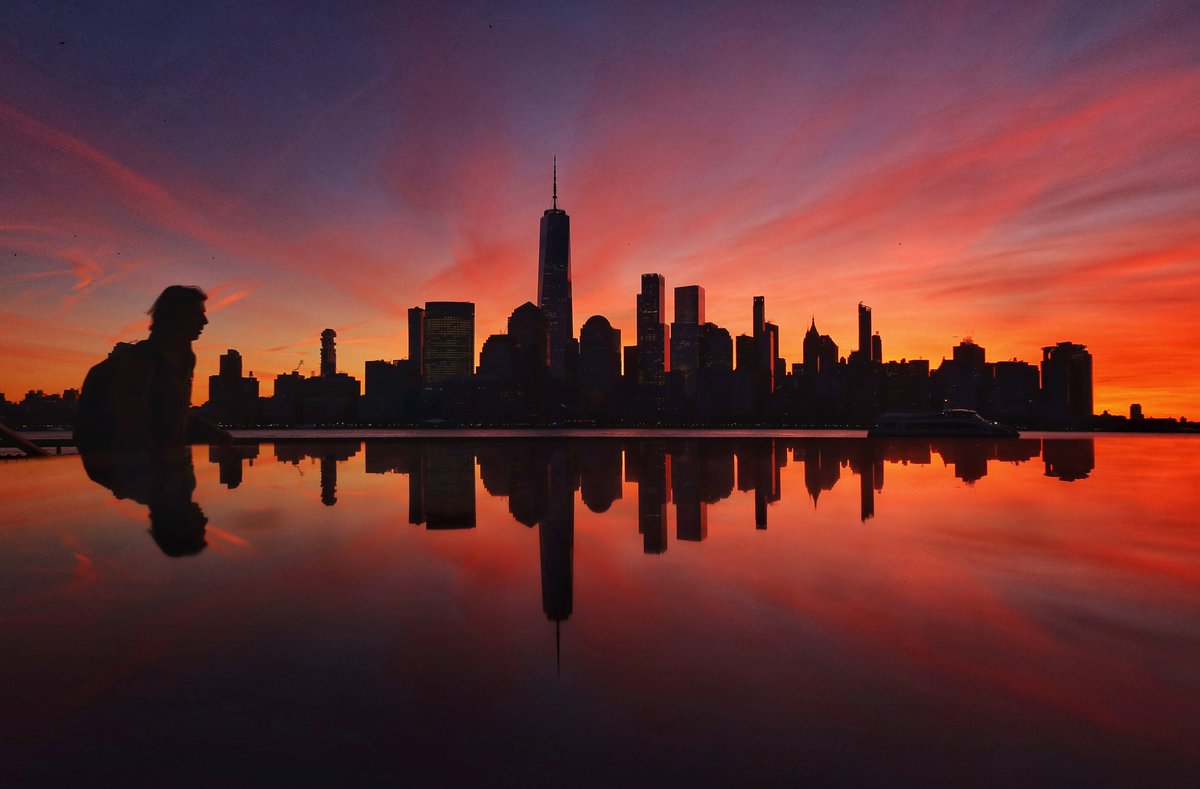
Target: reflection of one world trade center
[556, 542]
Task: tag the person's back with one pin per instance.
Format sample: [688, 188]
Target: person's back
[134, 399]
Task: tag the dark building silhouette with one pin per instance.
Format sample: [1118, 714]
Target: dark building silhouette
[686, 335]
[326, 399]
[716, 348]
[449, 341]
[497, 361]
[1067, 383]
[765, 352]
[1013, 392]
[331, 397]
[599, 363]
[714, 381]
[964, 380]
[864, 332]
[416, 341]
[554, 281]
[529, 328]
[328, 352]
[906, 384]
[390, 390]
[812, 349]
[652, 335]
[747, 353]
[232, 398]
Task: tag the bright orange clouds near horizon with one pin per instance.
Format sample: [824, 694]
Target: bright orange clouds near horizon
[1021, 178]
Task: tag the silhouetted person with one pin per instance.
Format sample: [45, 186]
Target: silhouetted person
[140, 397]
[162, 480]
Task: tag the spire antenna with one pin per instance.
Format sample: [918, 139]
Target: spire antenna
[555, 199]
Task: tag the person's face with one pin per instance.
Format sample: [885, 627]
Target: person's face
[192, 321]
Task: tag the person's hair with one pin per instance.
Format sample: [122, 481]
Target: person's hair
[172, 301]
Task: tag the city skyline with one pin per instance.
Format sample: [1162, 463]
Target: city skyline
[1022, 178]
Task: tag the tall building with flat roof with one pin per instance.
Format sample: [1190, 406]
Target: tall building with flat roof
[652, 335]
[449, 341]
[554, 280]
[864, 332]
[689, 304]
[416, 340]
[685, 334]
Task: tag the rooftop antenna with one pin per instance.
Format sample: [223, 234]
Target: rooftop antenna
[554, 205]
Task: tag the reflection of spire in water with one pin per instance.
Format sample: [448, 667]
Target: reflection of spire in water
[556, 541]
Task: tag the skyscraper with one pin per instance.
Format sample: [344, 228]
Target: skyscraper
[554, 280]
[864, 332]
[449, 341]
[416, 340]
[328, 352]
[685, 334]
[652, 335]
[1067, 383]
[764, 369]
[599, 361]
[689, 304]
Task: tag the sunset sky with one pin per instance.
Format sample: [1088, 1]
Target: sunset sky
[1018, 173]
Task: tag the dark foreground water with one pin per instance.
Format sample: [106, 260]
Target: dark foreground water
[613, 611]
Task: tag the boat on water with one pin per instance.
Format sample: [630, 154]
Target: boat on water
[950, 422]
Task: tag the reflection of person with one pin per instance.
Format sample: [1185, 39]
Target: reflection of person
[141, 396]
[164, 481]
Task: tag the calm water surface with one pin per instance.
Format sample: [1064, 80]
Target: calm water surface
[609, 611]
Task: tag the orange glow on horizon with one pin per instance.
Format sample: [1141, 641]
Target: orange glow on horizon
[1019, 199]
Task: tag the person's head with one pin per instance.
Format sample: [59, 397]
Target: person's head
[178, 312]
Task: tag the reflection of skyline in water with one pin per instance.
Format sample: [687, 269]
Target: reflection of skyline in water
[540, 477]
[691, 473]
